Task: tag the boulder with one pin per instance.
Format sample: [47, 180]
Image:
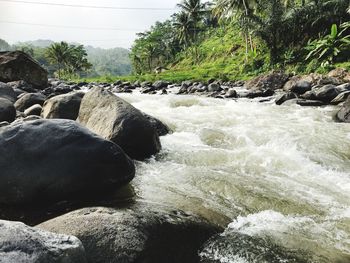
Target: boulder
[259, 93]
[7, 110]
[22, 85]
[340, 73]
[33, 110]
[142, 233]
[284, 97]
[161, 128]
[326, 93]
[160, 84]
[17, 65]
[7, 92]
[343, 115]
[28, 100]
[304, 102]
[20, 243]
[58, 160]
[273, 81]
[115, 119]
[231, 93]
[214, 87]
[300, 87]
[64, 106]
[341, 98]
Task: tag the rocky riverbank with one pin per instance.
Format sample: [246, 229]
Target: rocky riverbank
[67, 156]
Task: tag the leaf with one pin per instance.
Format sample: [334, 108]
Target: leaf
[334, 31]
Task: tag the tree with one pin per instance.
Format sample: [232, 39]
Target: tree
[68, 58]
[4, 46]
[184, 27]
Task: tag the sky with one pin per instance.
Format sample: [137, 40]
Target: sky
[106, 28]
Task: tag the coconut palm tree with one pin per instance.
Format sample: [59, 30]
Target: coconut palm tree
[184, 27]
[59, 54]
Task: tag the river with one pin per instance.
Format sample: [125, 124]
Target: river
[280, 173]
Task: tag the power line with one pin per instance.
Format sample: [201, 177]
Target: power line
[72, 27]
[91, 6]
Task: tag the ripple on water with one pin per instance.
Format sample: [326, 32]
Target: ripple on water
[284, 170]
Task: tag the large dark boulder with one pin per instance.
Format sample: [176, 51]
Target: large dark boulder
[52, 160]
[142, 233]
[284, 97]
[326, 93]
[17, 65]
[343, 115]
[341, 98]
[63, 106]
[273, 81]
[7, 92]
[28, 100]
[23, 244]
[161, 128]
[7, 110]
[115, 119]
[34, 110]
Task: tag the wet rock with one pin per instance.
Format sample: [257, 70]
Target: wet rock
[7, 110]
[272, 81]
[231, 93]
[340, 73]
[142, 233]
[260, 93]
[33, 110]
[161, 128]
[64, 106]
[117, 120]
[23, 86]
[309, 95]
[326, 93]
[58, 160]
[341, 98]
[146, 90]
[214, 87]
[343, 115]
[21, 243]
[28, 100]
[17, 65]
[183, 89]
[160, 84]
[304, 102]
[7, 92]
[284, 97]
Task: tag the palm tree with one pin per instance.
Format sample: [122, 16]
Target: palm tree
[195, 9]
[59, 54]
[184, 27]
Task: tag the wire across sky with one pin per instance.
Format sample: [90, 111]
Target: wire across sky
[90, 6]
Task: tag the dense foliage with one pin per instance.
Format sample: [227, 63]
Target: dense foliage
[266, 34]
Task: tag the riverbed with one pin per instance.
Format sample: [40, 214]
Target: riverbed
[275, 172]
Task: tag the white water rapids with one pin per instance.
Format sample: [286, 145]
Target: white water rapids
[281, 172]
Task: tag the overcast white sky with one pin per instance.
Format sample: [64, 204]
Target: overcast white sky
[131, 21]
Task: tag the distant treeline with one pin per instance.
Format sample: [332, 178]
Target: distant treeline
[103, 62]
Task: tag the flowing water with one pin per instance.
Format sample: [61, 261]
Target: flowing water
[280, 173]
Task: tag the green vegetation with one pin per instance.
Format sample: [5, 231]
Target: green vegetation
[105, 62]
[237, 39]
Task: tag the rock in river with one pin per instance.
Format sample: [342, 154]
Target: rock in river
[53, 160]
[29, 100]
[115, 119]
[20, 243]
[142, 233]
[7, 110]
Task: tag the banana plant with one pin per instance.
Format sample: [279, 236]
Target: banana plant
[329, 47]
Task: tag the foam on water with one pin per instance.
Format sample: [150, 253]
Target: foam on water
[276, 171]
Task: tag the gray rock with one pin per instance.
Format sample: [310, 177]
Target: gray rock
[214, 87]
[161, 128]
[284, 97]
[341, 98]
[64, 106]
[7, 92]
[160, 84]
[343, 115]
[17, 65]
[117, 120]
[7, 110]
[142, 233]
[326, 93]
[20, 243]
[28, 100]
[33, 110]
[273, 81]
[231, 93]
[300, 87]
[304, 102]
[58, 160]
